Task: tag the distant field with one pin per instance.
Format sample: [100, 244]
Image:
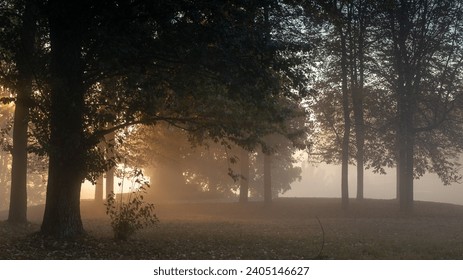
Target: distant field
[292, 228]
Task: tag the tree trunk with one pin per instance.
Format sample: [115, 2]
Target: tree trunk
[24, 59]
[406, 103]
[110, 172]
[244, 182]
[99, 189]
[67, 142]
[357, 102]
[346, 113]
[405, 171]
[110, 182]
[3, 177]
[406, 150]
[397, 175]
[267, 179]
[360, 143]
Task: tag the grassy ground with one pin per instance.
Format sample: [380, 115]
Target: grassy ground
[292, 228]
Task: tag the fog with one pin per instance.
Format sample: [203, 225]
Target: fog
[325, 181]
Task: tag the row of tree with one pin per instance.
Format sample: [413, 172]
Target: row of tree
[180, 168]
[393, 71]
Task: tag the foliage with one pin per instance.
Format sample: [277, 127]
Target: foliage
[431, 59]
[132, 214]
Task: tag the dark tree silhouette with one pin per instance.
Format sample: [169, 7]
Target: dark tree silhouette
[156, 78]
[24, 58]
[421, 42]
[68, 24]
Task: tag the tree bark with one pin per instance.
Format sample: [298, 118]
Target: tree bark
[24, 59]
[244, 182]
[67, 142]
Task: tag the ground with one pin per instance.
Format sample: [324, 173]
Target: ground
[291, 228]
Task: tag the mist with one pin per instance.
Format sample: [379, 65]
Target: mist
[190, 121]
[325, 181]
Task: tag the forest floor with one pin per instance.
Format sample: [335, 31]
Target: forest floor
[291, 228]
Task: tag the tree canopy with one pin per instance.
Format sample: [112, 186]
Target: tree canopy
[208, 67]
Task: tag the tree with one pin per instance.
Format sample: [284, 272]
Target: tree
[161, 74]
[67, 150]
[181, 169]
[346, 117]
[358, 45]
[24, 61]
[6, 115]
[99, 185]
[110, 173]
[339, 17]
[425, 56]
[406, 57]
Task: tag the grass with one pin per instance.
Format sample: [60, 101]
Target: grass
[288, 229]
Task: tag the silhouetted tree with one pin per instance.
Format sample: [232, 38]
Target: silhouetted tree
[162, 57]
[424, 56]
[24, 58]
[403, 66]
[6, 114]
[182, 170]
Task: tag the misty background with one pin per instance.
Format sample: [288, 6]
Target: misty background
[323, 180]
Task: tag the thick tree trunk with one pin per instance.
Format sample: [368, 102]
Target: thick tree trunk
[267, 179]
[62, 211]
[24, 59]
[244, 182]
[67, 143]
[408, 77]
[405, 156]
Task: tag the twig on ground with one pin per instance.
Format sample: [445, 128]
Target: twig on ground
[319, 255]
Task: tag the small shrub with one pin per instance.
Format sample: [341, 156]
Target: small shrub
[132, 214]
